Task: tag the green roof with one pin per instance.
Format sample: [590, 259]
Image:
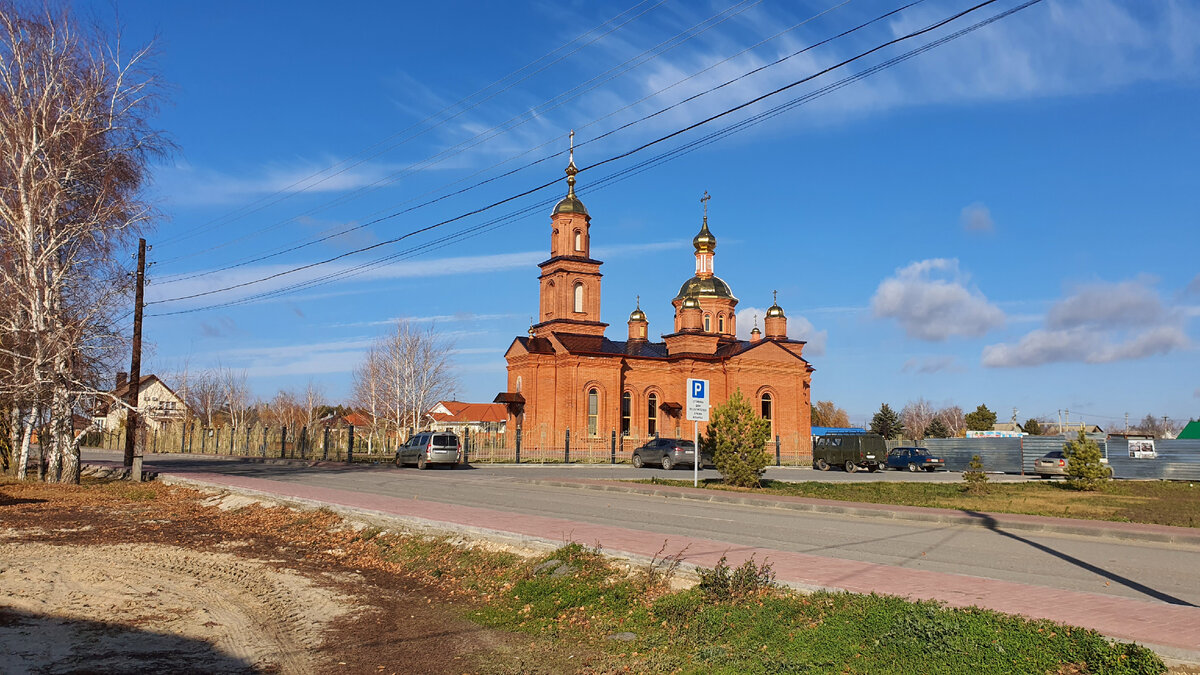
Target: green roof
[1192, 430]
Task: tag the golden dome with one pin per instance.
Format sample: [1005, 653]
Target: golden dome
[704, 242]
[637, 314]
[571, 203]
[775, 309]
[711, 286]
[690, 302]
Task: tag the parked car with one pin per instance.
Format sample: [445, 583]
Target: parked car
[1053, 463]
[849, 451]
[914, 459]
[430, 447]
[667, 452]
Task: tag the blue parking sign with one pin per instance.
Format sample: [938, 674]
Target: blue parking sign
[698, 389]
[697, 400]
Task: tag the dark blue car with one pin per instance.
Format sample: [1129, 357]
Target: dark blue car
[914, 459]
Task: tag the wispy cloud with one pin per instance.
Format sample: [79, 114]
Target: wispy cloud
[977, 218]
[933, 364]
[1098, 323]
[931, 300]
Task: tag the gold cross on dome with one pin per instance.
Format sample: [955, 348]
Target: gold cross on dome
[572, 137]
[704, 201]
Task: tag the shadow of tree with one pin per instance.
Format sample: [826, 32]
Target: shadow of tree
[38, 643]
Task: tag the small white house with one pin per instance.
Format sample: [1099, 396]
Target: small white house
[160, 405]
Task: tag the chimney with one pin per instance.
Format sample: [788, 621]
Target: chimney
[122, 379]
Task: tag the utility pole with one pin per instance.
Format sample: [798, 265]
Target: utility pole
[132, 419]
[1126, 424]
[1060, 425]
[1014, 420]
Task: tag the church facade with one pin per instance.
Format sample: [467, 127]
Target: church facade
[569, 383]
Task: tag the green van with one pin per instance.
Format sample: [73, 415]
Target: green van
[850, 452]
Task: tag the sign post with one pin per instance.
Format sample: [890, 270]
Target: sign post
[697, 411]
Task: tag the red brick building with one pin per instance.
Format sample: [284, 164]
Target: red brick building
[568, 377]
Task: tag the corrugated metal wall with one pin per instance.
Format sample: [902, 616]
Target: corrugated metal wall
[1177, 459]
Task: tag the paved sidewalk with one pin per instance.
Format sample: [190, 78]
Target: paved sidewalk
[1189, 536]
[1172, 630]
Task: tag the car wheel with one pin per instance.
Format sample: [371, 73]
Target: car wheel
[913, 468]
[851, 467]
[637, 461]
[667, 464]
[421, 463]
[822, 464]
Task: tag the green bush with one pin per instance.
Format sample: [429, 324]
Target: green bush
[1085, 471]
[736, 439]
[723, 583]
[975, 478]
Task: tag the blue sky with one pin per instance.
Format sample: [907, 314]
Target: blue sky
[1008, 219]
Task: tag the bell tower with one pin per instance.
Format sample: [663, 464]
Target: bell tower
[570, 279]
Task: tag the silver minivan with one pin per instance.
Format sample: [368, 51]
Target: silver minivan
[430, 447]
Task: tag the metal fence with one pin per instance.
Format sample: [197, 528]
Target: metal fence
[1176, 460]
[317, 442]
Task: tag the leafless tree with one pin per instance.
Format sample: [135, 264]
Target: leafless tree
[314, 397]
[74, 149]
[954, 419]
[404, 373]
[237, 396]
[367, 393]
[916, 416]
[206, 394]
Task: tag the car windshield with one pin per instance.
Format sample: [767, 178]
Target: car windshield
[444, 440]
[687, 445]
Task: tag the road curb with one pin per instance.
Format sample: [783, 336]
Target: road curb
[1160, 534]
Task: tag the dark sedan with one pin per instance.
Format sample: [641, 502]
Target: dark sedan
[914, 459]
[666, 452]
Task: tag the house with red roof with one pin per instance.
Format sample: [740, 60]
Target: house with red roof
[461, 417]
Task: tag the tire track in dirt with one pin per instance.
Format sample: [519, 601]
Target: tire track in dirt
[262, 617]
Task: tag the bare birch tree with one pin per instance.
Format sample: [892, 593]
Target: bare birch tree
[367, 394]
[916, 416]
[404, 373]
[74, 149]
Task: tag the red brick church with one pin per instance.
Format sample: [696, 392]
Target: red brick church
[567, 375]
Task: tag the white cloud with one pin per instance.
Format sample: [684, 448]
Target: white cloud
[933, 364]
[1192, 290]
[1098, 323]
[977, 218]
[931, 301]
[799, 328]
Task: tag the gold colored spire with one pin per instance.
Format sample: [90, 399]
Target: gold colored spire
[775, 309]
[638, 314]
[705, 242]
[571, 169]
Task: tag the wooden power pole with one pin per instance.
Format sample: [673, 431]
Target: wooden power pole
[132, 419]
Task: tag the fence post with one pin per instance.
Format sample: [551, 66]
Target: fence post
[612, 447]
[217, 447]
[191, 436]
[303, 441]
[776, 450]
[282, 442]
[203, 440]
[325, 444]
[466, 446]
[182, 437]
[350, 446]
[567, 447]
[262, 447]
[154, 447]
[518, 444]
[246, 445]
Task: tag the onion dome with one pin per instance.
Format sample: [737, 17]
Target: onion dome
[775, 310]
[690, 302]
[708, 286]
[704, 242]
[638, 314]
[571, 203]
[755, 330]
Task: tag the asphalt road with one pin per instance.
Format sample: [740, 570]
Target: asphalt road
[1157, 572]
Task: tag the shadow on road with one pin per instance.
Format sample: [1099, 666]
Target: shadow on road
[990, 523]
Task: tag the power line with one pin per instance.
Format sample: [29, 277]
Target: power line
[511, 172]
[488, 134]
[286, 192]
[628, 153]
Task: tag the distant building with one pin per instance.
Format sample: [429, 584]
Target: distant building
[159, 404]
[1191, 431]
[463, 417]
[1009, 426]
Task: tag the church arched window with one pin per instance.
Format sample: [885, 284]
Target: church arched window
[578, 240]
[707, 322]
[652, 414]
[767, 406]
[593, 412]
[626, 413]
[720, 323]
[578, 296]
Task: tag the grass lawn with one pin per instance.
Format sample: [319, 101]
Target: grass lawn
[581, 614]
[1151, 502]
